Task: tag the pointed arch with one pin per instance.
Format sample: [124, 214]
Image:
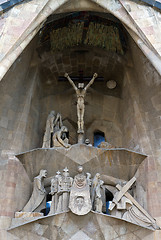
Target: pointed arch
[30, 16]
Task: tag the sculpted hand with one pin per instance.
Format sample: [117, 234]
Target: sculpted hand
[66, 75]
[95, 75]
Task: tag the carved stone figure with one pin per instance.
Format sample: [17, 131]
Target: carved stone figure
[126, 207]
[93, 188]
[58, 140]
[54, 189]
[134, 215]
[87, 142]
[80, 202]
[64, 188]
[89, 180]
[53, 124]
[80, 92]
[96, 197]
[38, 197]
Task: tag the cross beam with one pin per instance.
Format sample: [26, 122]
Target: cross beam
[80, 78]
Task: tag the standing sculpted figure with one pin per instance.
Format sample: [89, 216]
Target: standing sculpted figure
[37, 200]
[64, 187]
[96, 197]
[54, 189]
[53, 124]
[80, 92]
[80, 202]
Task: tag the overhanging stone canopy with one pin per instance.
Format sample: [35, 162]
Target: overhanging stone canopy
[119, 162]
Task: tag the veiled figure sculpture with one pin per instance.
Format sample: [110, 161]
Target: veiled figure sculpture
[53, 124]
[37, 200]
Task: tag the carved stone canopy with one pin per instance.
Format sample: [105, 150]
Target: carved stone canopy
[119, 162]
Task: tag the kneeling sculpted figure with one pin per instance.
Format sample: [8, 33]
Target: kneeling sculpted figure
[58, 140]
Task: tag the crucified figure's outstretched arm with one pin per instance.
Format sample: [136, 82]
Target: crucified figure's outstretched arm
[91, 82]
[71, 82]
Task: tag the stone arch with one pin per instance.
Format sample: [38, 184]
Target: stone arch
[30, 25]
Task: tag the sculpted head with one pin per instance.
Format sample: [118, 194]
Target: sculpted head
[66, 172]
[87, 141]
[95, 75]
[58, 173]
[43, 173]
[80, 85]
[80, 169]
[52, 114]
[98, 175]
[64, 129]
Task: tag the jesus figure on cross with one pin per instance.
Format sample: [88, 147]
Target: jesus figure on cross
[80, 92]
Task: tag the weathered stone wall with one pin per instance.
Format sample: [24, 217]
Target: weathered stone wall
[141, 110]
[16, 92]
[149, 87]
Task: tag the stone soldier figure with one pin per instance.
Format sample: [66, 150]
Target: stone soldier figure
[80, 92]
[64, 187]
[54, 190]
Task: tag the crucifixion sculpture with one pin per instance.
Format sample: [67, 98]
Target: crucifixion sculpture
[80, 92]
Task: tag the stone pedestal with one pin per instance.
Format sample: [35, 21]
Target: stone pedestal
[80, 138]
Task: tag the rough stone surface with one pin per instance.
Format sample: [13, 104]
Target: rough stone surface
[92, 226]
[28, 214]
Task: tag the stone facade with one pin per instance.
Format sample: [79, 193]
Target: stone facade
[129, 115]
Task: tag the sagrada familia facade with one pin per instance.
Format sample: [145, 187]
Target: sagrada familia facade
[80, 119]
